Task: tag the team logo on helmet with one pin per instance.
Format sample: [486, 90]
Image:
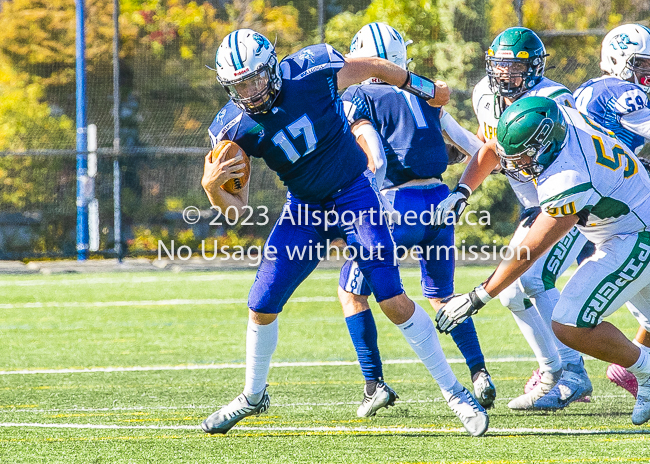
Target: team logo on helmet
[261, 42]
[622, 40]
[540, 136]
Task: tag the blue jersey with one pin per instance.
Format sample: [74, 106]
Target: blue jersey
[608, 98]
[409, 129]
[305, 137]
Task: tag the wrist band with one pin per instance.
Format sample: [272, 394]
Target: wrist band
[464, 189]
[482, 294]
[419, 86]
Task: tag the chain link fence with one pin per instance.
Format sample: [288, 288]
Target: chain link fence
[168, 99]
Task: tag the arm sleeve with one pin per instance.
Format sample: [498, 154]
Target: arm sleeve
[638, 122]
[458, 136]
[376, 150]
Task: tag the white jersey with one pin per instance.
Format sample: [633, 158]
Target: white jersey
[599, 178]
[488, 111]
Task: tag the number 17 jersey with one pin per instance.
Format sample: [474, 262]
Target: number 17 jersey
[305, 138]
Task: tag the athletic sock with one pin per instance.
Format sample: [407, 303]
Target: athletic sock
[545, 303]
[641, 368]
[371, 387]
[363, 333]
[261, 341]
[421, 335]
[466, 340]
[538, 336]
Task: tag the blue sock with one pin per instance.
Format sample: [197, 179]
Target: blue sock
[363, 332]
[467, 341]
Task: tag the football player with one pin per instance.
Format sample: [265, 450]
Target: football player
[515, 65]
[290, 114]
[618, 102]
[404, 140]
[584, 177]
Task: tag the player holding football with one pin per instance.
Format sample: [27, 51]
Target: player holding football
[404, 140]
[290, 115]
[515, 65]
[584, 177]
[618, 102]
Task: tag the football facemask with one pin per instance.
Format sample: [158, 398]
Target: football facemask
[523, 166]
[254, 93]
[511, 77]
[640, 67]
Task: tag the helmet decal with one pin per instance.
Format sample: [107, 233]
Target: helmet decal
[235, 56]
[379, 42]
[622, 40]
[261, 41]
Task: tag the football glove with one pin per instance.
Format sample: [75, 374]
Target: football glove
[452, 206]
[458, 308]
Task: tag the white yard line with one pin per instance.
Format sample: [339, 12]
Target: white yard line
[194, 367]
[174, 302]
[387, 430]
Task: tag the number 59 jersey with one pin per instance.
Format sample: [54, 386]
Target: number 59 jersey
[596, 177]
[305, 138]
[606, 99]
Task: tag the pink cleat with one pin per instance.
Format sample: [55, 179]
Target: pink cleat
[621, 377]
[534, 380]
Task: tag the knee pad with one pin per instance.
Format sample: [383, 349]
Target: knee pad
[513, 298]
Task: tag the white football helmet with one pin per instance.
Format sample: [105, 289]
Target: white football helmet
[380, 40]
[248, 68]
[625, 53]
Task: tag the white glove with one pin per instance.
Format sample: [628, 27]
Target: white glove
[452, 207]
[459, 307]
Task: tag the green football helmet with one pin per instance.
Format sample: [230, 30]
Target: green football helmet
[515, 62]
[530, 135]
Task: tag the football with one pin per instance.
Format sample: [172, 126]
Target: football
[226, 150]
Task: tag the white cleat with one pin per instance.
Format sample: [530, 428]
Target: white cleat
[574, 384]
[471, 414]
[383, 397]
[527, 401]
[484, 390]
[226, 418]
[641, 411]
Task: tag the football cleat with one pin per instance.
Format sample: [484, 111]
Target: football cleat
[383, 397]
[226, 418]
[641, 411]
[573, 385]
[527, 401]
[534, 380]
[624, 379]
[484, 390]
[471, 414]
